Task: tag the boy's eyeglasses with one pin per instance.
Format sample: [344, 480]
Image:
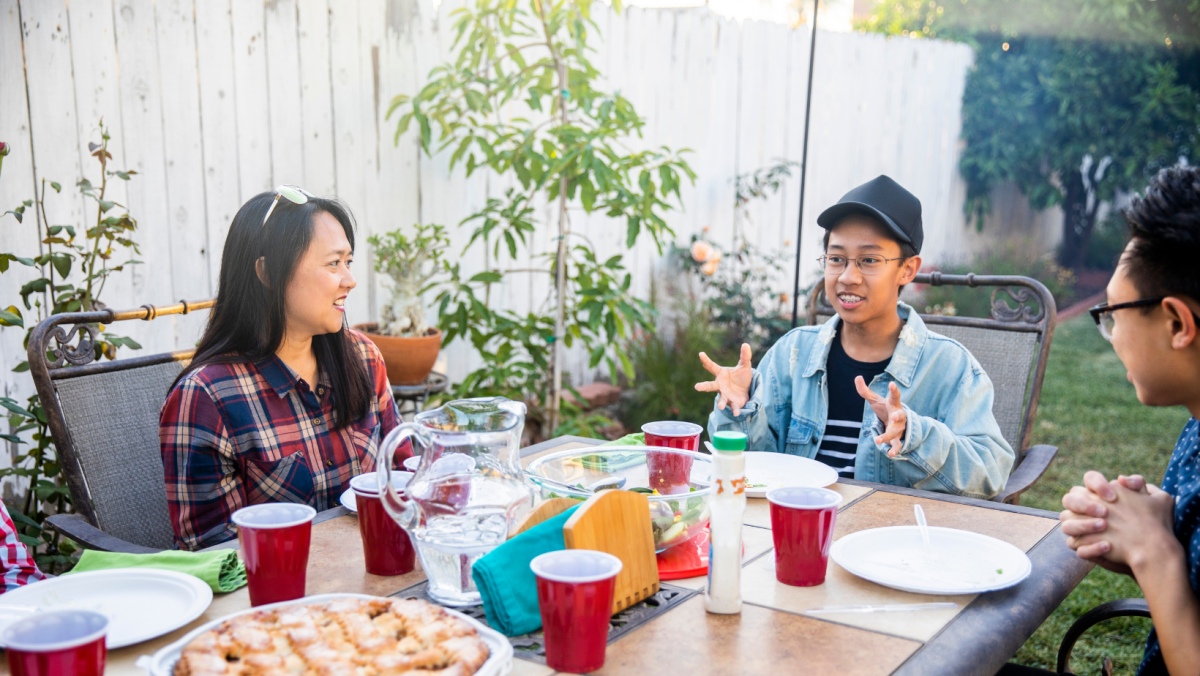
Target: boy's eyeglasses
[868, 264]
[294, 194]
[1102, 314]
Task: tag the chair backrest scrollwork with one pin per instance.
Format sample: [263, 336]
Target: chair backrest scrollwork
[103, 416]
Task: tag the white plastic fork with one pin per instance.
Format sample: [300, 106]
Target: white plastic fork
[922, 524]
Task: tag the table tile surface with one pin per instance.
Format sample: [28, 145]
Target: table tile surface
[771, 635]
[757, 641]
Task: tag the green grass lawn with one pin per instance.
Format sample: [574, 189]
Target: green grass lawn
[1090, 411]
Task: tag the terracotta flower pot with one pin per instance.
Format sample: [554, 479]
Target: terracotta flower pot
[409, 359]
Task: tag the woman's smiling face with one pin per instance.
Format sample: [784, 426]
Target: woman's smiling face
[316, 294]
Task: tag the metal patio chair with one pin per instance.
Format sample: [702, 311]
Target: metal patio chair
[1012, 346]
[104, 420]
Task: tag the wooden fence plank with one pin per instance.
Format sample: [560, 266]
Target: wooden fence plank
[316, 96]
[16, 185]
[141, 136]
[218, 115]
[184, 155]
[283, 89]
[351, 106]
[252, 105]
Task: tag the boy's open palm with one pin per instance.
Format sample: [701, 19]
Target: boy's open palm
[889, 411]
[731, 384]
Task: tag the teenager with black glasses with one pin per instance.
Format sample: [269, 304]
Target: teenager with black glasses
[1152, 318]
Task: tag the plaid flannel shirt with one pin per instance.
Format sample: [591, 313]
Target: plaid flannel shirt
[17, 566]
[247, 433]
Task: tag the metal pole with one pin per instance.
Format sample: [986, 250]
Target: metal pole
[812, 53]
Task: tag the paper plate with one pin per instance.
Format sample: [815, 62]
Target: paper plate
[141, 603]
[348, 500]
[954, 562]
[765, 470]
[499, 662]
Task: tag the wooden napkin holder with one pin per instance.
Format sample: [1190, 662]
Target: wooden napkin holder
[618, 523]
[612, 521]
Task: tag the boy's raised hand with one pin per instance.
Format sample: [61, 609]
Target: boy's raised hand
[732, 384]
[888, 410]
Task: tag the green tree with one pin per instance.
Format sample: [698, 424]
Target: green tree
[520, 100]
[1071, 116]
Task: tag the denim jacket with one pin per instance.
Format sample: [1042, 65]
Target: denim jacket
[952, 443]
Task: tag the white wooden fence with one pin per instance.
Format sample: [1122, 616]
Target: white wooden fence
[213, 101]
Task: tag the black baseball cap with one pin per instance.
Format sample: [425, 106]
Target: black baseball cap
[886, 200]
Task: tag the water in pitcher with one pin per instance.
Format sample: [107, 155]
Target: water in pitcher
[455, 534]
[467, 492]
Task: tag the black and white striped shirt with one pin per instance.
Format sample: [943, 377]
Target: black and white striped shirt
[839, 445]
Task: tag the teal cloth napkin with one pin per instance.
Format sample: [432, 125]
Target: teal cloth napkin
[222, 570]
[506, 582]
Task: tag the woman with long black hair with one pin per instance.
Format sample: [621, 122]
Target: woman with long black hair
[282, 402]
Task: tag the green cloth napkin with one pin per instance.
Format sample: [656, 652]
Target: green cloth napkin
[222, 570]
[507, 583]
[638, 439]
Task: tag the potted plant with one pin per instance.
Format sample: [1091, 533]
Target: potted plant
[408, 344]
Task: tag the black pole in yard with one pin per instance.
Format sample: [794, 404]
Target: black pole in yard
[812, 53]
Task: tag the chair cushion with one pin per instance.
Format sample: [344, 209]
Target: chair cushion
[1007, 357]
[113, 422]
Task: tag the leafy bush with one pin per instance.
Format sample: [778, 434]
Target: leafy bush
[89, 251]
[570, 148]
[668, 368]
[1107, 243]
[1011, 258]
[739, 291]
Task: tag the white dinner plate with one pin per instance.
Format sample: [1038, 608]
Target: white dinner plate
[765, 470]
[954, 562]
[141, 603]
[348, 500]
[499, 660]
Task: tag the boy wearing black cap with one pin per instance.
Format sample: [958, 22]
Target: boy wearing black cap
[872, 392]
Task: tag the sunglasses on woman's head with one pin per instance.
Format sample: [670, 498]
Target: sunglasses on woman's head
[294, 194]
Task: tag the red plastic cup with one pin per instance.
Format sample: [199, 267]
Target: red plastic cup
[670, 472]
[386, 546]
[575, 594]
[275, 538]
[673, 434]
[58, 643]
[802, 521]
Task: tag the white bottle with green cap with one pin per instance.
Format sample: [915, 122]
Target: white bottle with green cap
[727, 503]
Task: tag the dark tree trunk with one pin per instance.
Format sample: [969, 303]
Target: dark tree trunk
[1078, 223]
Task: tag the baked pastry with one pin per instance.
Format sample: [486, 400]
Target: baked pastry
[358, 637]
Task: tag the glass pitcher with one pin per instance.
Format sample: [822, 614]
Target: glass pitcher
[467, 492]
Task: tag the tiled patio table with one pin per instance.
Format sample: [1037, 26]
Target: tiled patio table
[772, 634]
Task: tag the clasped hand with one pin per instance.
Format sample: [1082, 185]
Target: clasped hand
[1117, 524]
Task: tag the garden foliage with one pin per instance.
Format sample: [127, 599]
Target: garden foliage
[1073, 100]
[520, 100]
[718, 300]
[93, 255]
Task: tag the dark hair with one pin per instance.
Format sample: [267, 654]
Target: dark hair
[248, 321]
[1164, 227]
